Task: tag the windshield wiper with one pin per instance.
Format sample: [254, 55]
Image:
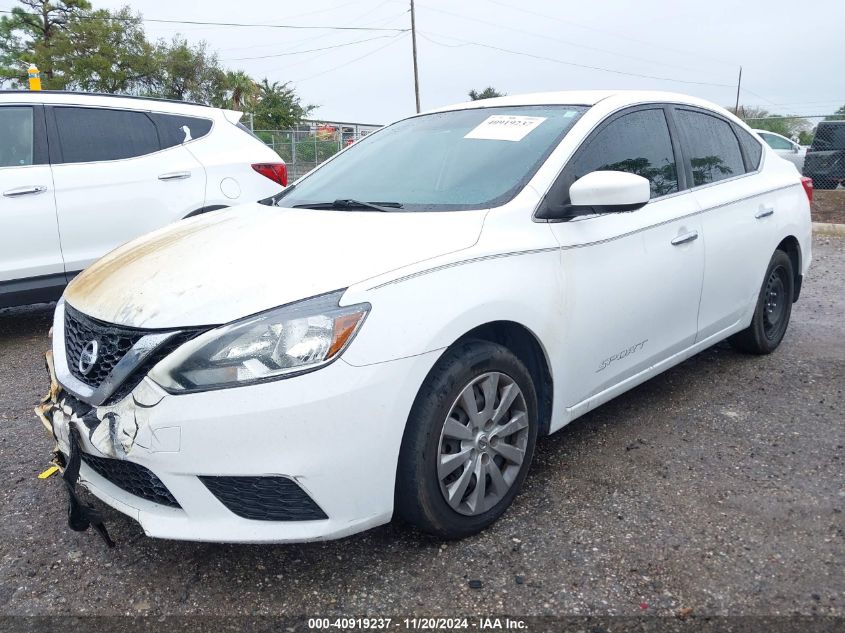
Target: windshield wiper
[348, 203]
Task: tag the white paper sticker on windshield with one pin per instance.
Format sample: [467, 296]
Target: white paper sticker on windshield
[503, 127]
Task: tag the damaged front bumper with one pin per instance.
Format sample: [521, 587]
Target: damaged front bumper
[189, 466]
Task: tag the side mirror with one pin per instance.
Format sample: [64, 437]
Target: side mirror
[602, 192]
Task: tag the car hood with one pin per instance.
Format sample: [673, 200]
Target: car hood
[228, 264]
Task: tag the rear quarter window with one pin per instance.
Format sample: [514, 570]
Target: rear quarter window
[751, 147]
[175, 129]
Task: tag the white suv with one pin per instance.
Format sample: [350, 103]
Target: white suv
[395, 335]
[81, 174]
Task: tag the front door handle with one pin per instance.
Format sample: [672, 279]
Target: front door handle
[175, 175]
[25, 191]
[764, 212]
[685, 238]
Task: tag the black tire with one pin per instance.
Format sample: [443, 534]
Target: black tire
[774, 307]
[419, 498]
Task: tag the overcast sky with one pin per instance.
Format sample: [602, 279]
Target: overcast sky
[791, 52]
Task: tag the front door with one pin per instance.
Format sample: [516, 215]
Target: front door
[632, 281]
[29, 236]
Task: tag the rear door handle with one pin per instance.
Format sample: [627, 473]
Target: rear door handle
[764, 212]
[685, 238]
[175, 175]
[24, 191]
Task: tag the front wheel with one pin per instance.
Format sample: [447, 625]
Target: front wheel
[469, 441]
[774, 307]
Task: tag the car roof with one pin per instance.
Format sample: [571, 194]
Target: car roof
[585, 98]
[67, 97]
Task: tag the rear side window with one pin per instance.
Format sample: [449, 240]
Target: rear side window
[776, 142]
[638, 143]
[17, 147]
[712, 146]
[829, 136]
[99, 134]
[752, 148]
[175, 129]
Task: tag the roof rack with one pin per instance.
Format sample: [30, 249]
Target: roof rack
[103, 94]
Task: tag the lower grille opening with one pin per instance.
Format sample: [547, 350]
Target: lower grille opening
[264, 498]
[133, 478]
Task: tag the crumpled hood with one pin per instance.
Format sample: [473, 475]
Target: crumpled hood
[228, 264]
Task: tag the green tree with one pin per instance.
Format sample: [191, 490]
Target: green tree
[278, 107]
[242, 89]
[839, 115]
[187, 73]
[109, 52]
[37, 33]
[488, 93]
[761, 119]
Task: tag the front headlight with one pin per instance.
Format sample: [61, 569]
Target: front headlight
[292, 339]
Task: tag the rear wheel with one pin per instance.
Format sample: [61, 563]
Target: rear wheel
[774, 307]
[469, 441]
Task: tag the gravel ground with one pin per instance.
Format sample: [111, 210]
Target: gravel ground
[716, 487]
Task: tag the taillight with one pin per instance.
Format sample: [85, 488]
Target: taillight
[807, 183]
[277, 172]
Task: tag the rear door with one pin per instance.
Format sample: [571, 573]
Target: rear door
[118, 174]
[29, 236]
[739, 215]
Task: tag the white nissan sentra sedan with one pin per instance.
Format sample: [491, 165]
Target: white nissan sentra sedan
[393, 337]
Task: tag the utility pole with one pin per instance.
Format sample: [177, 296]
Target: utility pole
[414, 47]
[738, 84]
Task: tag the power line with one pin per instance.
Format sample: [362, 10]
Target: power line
[612, 33]
[310, 50]
[392, 41]
[568, 63]
[357, 21]
[558, 40]
[227, 24]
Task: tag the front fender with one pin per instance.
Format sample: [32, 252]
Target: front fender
[432, 308]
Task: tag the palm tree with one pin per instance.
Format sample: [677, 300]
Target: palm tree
[244, 90]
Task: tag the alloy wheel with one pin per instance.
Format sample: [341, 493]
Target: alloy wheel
[482, 443]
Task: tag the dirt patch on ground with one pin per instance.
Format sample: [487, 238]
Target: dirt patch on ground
[829, 206]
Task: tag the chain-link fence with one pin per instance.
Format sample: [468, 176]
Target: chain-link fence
[312, 143]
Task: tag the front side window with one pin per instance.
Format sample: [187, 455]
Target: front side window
[99, 134]
[712, 147]
[16, 136]
[638, 143]
[461, 159]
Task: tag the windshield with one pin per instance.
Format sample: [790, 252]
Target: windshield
[462, 159]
